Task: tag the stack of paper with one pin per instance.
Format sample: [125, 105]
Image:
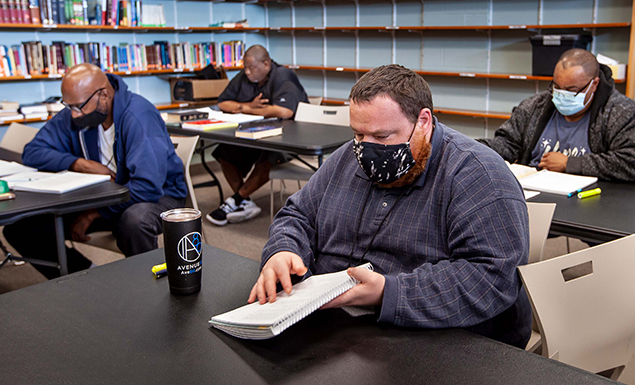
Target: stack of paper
[257, 322]
[53, 183]
[10, 168]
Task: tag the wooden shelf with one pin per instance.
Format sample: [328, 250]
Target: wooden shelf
[435, 73]
[457, 28]
[110, 28]
[24, 121]
[186, 29]
[120, 73]
[441, 110]
[176, 106]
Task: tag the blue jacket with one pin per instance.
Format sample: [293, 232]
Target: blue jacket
[146, 161]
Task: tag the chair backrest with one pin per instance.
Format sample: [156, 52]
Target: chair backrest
[315, 100]
[586, 320]
[337, 116]
[184, 147]
[540, 215]
[17, 136]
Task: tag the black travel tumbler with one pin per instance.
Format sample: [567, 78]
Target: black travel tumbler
[183, 250]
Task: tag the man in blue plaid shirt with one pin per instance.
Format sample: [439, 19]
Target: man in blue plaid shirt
[440, 217]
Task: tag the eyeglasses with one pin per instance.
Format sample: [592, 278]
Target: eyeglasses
[552, 84]
[77, 108]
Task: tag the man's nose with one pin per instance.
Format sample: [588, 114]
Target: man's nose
[75, 114]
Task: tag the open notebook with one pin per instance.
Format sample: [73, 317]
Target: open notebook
[53, 183]
[550, 181]
[259, 322]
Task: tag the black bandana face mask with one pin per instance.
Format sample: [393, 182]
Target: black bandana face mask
[92, 119]
[384, 163]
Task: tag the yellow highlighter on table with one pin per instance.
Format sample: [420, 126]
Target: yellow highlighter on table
[589, 193]
[159, 270]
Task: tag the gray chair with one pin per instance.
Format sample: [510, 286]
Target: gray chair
[184, 147]
[583, 304]
[296, 170]
[13, 142]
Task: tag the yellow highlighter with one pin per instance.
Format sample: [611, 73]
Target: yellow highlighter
[159, 270]
[589, 193]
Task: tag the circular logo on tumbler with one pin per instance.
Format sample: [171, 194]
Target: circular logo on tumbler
[189, 247]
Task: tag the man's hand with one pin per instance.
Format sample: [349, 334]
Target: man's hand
[368, 292]
[278, 268]
[554, 161]
[258, 102]
[82, 223]
[91, 167]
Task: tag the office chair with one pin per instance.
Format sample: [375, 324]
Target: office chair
[296, 170]
[584, 307]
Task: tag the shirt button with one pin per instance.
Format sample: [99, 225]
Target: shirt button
[384, 204]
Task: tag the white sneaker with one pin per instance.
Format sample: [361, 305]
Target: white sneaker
[245, 211]
[219, 216]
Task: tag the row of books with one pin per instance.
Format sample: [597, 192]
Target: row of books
[13, 111]
[34, 58]
[231, 53]
[82, 12]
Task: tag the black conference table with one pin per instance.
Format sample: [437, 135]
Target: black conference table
[597, 219]
[298, 138]
[116, 324]
[27, 204]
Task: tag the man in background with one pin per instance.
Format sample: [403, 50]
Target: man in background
[581, 125]
[104, 129]
[440, 217]
[262, 88]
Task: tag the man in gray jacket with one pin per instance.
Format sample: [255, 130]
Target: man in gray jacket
[581, 125]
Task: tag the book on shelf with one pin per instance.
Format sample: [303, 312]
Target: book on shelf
[231, 24]
[53, 183]
[9, 106]
[550, 181]
[258, 132]
[208, 125]
[33, 108]
[258, 322]
[33, 58]
[231, 53]
[185, 116]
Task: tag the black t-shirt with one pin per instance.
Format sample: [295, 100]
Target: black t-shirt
[282, 88]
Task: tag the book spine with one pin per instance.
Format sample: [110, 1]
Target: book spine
[5, 13]
[55, 6]
[34, 9]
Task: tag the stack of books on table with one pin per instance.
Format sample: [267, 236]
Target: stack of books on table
[217, 120]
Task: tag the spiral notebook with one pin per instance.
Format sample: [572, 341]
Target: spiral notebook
[259, 322]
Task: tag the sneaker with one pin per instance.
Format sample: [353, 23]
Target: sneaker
[245, 211]
[219, 216]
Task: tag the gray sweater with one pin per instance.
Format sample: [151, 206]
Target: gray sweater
[611, 133]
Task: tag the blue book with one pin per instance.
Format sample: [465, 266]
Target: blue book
[258, 132]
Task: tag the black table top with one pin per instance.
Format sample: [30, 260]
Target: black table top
[117, 324]
[28, 204]
[601, 218]
[298, 137]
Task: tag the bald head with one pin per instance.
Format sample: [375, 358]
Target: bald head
[258, 53]
[81, 81]
[580, 57]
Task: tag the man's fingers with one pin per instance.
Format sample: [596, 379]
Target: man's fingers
[270, 280]
[260, 290]
[359, 273]
[264, 101]
[297, 266]
[253, 294]
[340, 300]
[285, 278]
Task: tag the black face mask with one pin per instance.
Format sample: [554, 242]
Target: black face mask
[92, 119]
[384, 163]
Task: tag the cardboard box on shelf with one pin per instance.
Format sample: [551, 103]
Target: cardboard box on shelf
[193, 89]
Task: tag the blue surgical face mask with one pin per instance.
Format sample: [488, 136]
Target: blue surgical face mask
[568, 103]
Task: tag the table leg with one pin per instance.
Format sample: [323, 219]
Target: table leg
[320, 159]
[215, 181]
[61, 246]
